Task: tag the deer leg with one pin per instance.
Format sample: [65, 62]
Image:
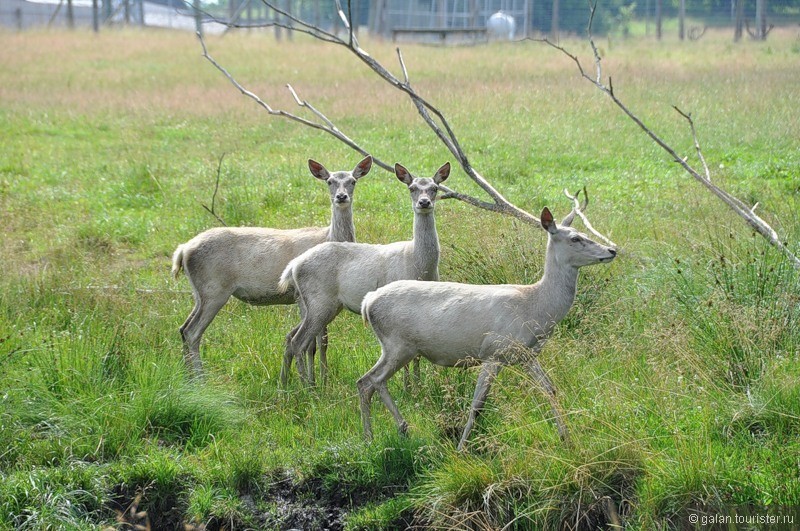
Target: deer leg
[309, 355]
[287, 356]
[365, 392]
[322, 344]
[487, 375]
[375, 380]
[536, 371]
[407, 378]
[314, 322]
[388, 401]
[204, 311]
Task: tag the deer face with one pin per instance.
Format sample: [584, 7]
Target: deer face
[341, 184]
[423, 190]
[573, 247]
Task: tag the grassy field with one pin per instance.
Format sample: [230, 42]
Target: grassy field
[677, 366]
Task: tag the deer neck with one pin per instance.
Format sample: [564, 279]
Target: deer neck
[342, 228]
[426, 247]
[558, 286]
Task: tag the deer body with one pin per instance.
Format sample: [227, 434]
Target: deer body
[334, 275]
[454, 324]
[246, 262]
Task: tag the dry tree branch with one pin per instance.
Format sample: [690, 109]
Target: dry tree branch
[578, 209]
[430, 114]
[327, 126]
[735, 204]
[214, 195]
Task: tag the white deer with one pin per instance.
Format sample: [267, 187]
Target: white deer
[246, 262]
[333, 276]
[454, 324]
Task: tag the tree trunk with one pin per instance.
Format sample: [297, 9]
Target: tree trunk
[682, 20]
[95, 16]
[70, 15]
[554, 22]
[658, 19]
[287, 6]
[739, 25]
[198, 22]
[761, 20]
[372, 17]
[278, 30]
[355, 9]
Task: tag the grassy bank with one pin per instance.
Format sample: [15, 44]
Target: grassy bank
[677, 366]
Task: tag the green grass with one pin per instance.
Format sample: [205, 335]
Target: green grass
[677, 366]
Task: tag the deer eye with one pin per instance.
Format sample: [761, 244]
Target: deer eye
[576, 239]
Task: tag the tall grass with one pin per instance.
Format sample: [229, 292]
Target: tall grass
[677, 366]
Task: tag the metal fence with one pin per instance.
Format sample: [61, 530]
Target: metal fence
[27, 14]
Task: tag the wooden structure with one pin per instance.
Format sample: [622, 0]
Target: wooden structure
[444, 20]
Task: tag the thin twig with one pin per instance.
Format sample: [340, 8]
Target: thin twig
[212, 210]
[578, 209]
[402, 65]
[688, 117]
[339, 135]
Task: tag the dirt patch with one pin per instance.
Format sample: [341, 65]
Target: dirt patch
[286, 505]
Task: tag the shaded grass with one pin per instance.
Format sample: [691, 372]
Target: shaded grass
[676, 367]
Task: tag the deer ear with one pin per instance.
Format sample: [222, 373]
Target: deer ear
[363, 167]
[442, 173]
[318, 170]
[547, 221]
[403, 174]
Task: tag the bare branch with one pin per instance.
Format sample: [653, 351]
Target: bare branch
[346, 19]
[736, 205]
[327, 126]
[211, 210]
[432, 116]
[301, 27]
[402, 65]
[579, 209]
[688, 117]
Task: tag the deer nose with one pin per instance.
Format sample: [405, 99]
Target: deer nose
[341, 196]
[424, 203]
[613, 252]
